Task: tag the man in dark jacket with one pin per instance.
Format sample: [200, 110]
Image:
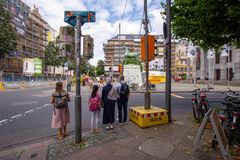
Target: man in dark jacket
[122, 102]
[108, 105]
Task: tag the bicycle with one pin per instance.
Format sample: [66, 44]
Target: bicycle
[150, 86]
[200, 103]
[230, 118]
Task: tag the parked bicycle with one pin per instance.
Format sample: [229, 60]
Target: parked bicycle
[200, 103]
[230, 118]
[150, 86]
[133, 86]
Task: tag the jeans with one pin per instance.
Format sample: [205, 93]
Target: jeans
[122, 105]
[95, 119]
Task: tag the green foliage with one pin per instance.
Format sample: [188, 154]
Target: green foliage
[131, 60]
[92, 70]
[8, 36]
[52, 55]
[100, 68]
[207, 23]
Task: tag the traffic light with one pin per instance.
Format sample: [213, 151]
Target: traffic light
[88, 47]
[120, 69]
[151, 48]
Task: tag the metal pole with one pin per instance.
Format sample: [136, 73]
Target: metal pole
[147, 93]
[119, 47]
[168, 62]
[228, 51]
[78, 103]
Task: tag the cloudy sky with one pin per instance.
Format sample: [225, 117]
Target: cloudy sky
[108, 16]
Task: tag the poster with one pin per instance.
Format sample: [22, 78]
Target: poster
[28, 66]
[37, 66]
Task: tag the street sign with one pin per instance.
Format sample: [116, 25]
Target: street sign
[86, 16]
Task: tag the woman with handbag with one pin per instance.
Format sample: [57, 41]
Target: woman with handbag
[61, 114]
[94, 107]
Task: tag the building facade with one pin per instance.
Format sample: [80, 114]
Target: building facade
[115, 50]
[13, 62]
[183, 62]
[32, 38]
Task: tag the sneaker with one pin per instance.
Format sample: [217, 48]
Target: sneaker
[111, 127]
[124, 122]
[107, 127]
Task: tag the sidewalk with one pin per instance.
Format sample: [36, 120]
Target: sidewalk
[126, 142]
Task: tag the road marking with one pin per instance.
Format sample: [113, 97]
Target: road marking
[45, 105]
[29, 111]
[24, 103]
[174, 95]
[5, 120]
[38, 108]
[18, 115]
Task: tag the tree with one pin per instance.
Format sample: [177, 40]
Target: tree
[207, 23]
[91, 71]
[52, 55]
[8, 36]
[100, 68]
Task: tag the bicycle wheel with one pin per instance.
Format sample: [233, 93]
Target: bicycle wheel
[136, 87]
[143, 87]
[195, 110]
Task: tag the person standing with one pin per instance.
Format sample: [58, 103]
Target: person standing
[94, 107]
[69, 84]
[109, 98]
[124, 93]
[61, 114]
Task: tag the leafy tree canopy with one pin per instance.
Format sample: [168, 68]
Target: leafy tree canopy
[52, 55]
[100, 68]
[207, 23]
[8, 36]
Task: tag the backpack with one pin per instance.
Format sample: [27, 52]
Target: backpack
[60, 100]
[94, 103]
[113, 93]
[124, 91]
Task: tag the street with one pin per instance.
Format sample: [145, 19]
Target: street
[26, 113]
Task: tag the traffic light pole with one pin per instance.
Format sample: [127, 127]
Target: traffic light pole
[147, 93]
[78, 101]
[168, 62]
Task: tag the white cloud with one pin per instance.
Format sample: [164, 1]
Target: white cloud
[108, 15]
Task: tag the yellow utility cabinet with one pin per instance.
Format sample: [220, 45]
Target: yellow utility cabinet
[148, 117]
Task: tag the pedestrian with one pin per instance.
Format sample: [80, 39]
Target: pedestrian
[122, 102]
[61, 114]
[109, 98]
[69, 84]
[94, 105]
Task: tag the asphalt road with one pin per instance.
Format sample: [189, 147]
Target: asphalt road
[25, 114]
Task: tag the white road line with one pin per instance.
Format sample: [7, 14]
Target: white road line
[45, 105]
[29, 111]
[174, 95]
[24, 103]
[39, 108]
[5, 120]
[18, 115]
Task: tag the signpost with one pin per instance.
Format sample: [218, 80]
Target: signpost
[217, 129]
[77, 19]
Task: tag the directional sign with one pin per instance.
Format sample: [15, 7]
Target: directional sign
[86, 16]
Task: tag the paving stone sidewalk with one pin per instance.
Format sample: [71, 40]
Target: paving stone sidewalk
[172, 141]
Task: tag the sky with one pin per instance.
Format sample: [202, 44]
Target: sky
[109, 13]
